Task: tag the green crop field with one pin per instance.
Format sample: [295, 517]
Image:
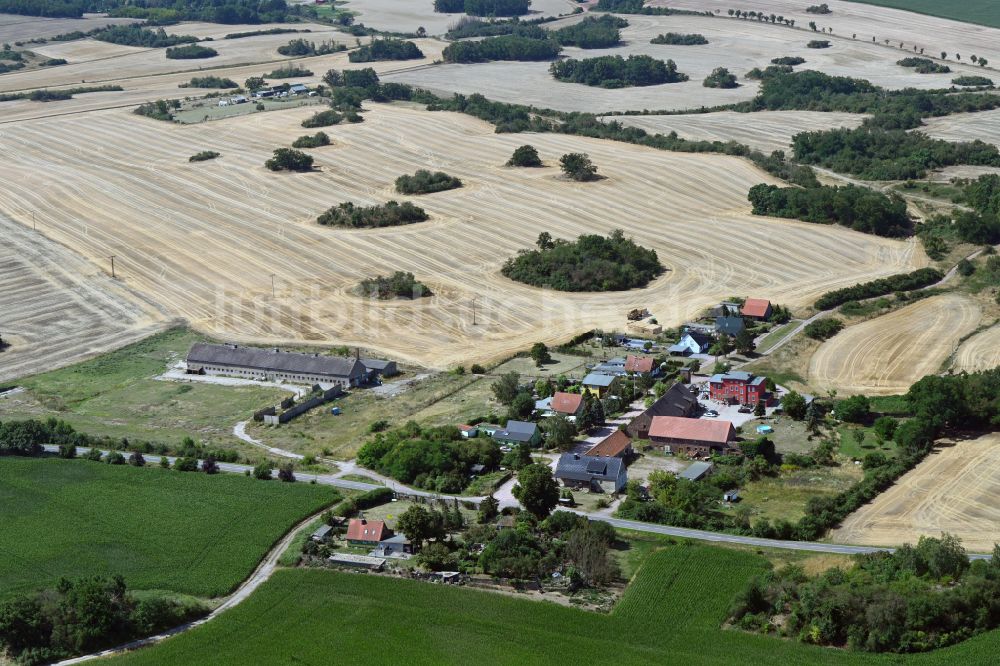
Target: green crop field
[670, 614]
[160, 529]
[981, 12]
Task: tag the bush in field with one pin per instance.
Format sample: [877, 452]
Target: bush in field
[426, 182]
[818, 44]
[972, 81]
[204, 156]
[136, 35]
[924, 66]
[315, 141]
[790, 61]
[300, 47]
[592, 33]
[386, 215]
[287, 159]
[617, 72]
[721, 78]
[289, 72]
[483, 7]
[210, 82]
[525, 156]
[191, 52]
[398, 285]
[578, 167]
[679, 39]
[322, 119]
[823, 329]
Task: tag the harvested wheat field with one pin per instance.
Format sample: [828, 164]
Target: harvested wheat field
[765, 131]
[980, 352]
[56, 308]
[885, 355]
[955, 490]
[204, 239]
[15, 28]
[984, 126]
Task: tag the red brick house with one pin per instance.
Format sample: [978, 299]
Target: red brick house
[692, 437]
[367, 532]
[756, 308]
[742, 388]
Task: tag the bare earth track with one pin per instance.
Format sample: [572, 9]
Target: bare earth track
[954, 490]
[884, 356]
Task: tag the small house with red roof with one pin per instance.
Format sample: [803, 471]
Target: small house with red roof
[615, 445]
[639, 365]
[567, 404]
[756, 308]
[363, 532]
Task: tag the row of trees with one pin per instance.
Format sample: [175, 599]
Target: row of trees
[918, 279]
[210, 82]
[679, 39]
[136, 35]
[859, 208]
[590, 263]
[400, 284]
[389, 214]
[301, 47]
[386, 48]
[191, 52]
[483, 7]
[924, 66]
[468, 26]
[617, 72]
[505, 47]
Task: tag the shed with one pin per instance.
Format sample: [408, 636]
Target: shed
[697, 471]
[731, 496]
[321, 534]
[358, 561]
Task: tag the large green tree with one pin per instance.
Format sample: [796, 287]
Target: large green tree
[536, 490]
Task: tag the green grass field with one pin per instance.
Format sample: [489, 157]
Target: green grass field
[670, 614]
[980, 12]
[160, 529]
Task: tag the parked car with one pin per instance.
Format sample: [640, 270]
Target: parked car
[745, 409]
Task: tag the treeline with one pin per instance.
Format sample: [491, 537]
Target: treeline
[617, 72]
[924, 66]
[269, 31]
[886, 602]
[230, 12]
[438, 459]
[136, 35]
[44, 8]
[506, 47]
[980, 225]
[301, 47]
[191, 52]
[590, 263]
[483, 7]
[161, 109]
[679, 39]
[398, 285]
[83, 616]
[918, 279]
[638, 7]
[858, 208]
[468, 26]
[386, 49]
[46, 95]
[288, 71]
[389, 214]
[209, 82]
[592, 33]
[887, 154]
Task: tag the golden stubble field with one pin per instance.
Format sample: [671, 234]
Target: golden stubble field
[203, 240]
[954, 490]
[980, 352]
[885, 355]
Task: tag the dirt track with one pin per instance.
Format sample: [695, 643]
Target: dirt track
[954, 490]
[884, 356]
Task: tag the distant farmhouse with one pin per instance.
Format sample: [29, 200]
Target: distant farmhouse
[756, 308]
[275, 365]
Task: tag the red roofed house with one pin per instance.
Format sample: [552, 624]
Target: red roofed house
[637, 364]
[367, 532]
[615, 445]
[567, 404]
[756, 308]
[692, 437]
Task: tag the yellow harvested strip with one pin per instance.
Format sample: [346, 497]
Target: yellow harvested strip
[955, 490]
[885, 355]
[980, 352]
[203, 240]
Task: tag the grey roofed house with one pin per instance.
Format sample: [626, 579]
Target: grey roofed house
[235, 359]
[380, 367]
[731, 326]
[678, 400]
[738, 375]
[518, 431]
[609, 369]
[597, 379]
[595, 472]
[696, 471]
[321, 534]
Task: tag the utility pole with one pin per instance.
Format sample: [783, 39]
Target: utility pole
[473, 311]
[272, 285]
[112, 266]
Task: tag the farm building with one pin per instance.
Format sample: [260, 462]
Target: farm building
[394, 546]
[725, 309]
[638, 343]
[367, 532]
[615, 445]
[594, 473]
[298, 89]
[756, 308]
[678, 401]
[358, 561]
[731, 326]
[697, 471]
[519, 431]
[738, 387]
[691, 342]
[468, 431]
[637, 364]
[321, 535]
[598, 384]
[692, 437]
[610, 368]
[379, 367]
[276, 365]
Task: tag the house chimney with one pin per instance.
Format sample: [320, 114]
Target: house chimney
[357, 353]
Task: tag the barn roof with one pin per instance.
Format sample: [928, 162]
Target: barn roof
[611, 446]
[701, 430]
[638, 364]
[677, 401]
[360, 529]
[755, 307]
[274, 360]
[566, 403]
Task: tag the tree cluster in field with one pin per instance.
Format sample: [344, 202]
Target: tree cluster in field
[191, 52]
[365, 78]
[915, 599]
[791, 61]
[590, 263]
[824, 329]
[924, 65]
[858, 208]
[980, 225]
[289, 71]
[578, 167]
[387, 48]
[758, 74]
[679, 39]
[400, 284]
[426, 182]
[525, 156]
[210, 82]
[617, 72]
[390, 214]
[82, 616]
[592, 33]
[46, 95]
[505, 47]
[818, 44]
[721, 78]
[301, 47]
[972, 81]
[204, 156]
[819, 9]
[288, 159]
[268, 31]
[887, 154]
[918, 279]
[161, 109]
[469, 26]
[483, 7]
[438, 459]
[136, 35]
[312, 140]
[322, 119]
